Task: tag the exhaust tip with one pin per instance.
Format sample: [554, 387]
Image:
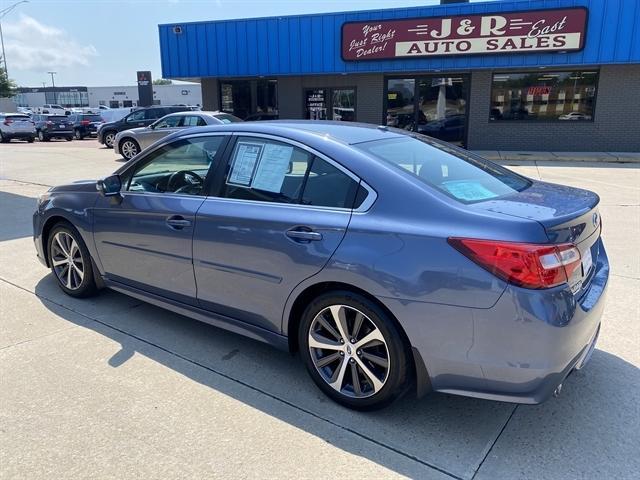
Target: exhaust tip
[557, 391]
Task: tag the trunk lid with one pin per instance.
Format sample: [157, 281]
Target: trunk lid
[568, 215]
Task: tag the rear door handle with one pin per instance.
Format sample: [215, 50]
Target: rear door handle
[178, 222]
[303, 235]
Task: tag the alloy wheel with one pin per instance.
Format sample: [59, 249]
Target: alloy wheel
[349, 351]
[129, 149]
[67, 260]
[109, 138]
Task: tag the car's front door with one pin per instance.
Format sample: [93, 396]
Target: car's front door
[279, 214]
[144, 236]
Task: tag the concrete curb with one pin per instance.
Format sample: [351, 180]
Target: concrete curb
[604, 157]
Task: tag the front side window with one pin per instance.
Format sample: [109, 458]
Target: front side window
[272, 171]
[179, 167]
[136, 116]
[544, 96]
[168, 122]
[451, 170]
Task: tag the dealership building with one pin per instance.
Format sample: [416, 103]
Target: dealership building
[559, 75]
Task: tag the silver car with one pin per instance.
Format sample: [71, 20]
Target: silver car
[129, 143]
[16, 125]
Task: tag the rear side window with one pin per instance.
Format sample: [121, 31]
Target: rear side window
[193, 121]
[271, 171]
[453, 171]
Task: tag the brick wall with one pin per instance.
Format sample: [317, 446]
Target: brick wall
[616, 124]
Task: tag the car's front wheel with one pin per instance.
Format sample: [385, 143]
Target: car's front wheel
[42, 137]
[354, 350]
[70, 261]
[4, 138]
[129, 148]
[109, 138]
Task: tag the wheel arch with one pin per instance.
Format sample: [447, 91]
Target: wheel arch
[419, 373]
[48, 225]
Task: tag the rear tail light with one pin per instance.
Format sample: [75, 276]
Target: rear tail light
[8, 121]
[85, 122]
[527, 265]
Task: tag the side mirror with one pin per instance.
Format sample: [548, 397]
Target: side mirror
[109, 186]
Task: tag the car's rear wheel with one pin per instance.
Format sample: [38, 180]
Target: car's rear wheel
[353, 350]
[4, 138]
[68, 139]
[42, 137]
[70, 261]
[78, 134]
[109, 138]
[31, 139]
[129, 148]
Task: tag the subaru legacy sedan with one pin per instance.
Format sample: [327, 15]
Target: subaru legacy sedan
[389, 260]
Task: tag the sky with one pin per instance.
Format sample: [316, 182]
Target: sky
[104, 42]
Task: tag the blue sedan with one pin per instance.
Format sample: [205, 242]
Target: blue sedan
[389, 260]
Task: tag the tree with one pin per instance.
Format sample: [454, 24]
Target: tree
[162, 81]
[8, 87]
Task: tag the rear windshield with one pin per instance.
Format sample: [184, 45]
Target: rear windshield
[227, 118]
[17, 118]
[92, 118]
[455, 172]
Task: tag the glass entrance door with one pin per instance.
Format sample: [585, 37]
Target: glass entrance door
[431, 105]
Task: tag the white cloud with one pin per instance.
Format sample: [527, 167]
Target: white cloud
[31, 45]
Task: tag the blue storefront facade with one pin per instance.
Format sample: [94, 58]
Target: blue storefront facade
[499, 75]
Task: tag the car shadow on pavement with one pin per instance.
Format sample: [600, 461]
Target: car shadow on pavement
[12, 207]
[593, 423]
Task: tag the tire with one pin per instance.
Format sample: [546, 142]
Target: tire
[379, 382]
[4, 139]
[42, 137]
[63, 240]
[77, 134]
[109, 138]
[31, 139]
[129, 148]
[68, 139]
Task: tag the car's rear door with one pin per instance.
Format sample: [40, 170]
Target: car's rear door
[279, 212]
[144, 238]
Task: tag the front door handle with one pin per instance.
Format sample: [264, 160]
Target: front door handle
[178, 222]
[303, 235]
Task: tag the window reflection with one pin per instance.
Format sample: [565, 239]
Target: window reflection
[564, 96]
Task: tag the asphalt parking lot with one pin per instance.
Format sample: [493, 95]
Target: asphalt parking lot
[113, 388]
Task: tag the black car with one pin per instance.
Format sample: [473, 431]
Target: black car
[53, 126]
[85, 125]
[142, 117]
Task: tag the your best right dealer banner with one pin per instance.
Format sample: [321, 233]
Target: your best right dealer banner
[519, 32]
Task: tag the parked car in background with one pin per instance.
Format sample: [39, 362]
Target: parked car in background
[52, 109]
[16, 125]
[114, 114]
[574, 116]
[129, 143]
[262, 116]
[53, 126]
[25, 110]
[141, 117]
[85, 125]
[389, 260]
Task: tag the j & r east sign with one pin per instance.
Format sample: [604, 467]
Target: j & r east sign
[529, 31]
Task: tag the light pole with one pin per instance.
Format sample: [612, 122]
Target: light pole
[53, 86]
[3, 12]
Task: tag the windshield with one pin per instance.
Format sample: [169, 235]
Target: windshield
[455, 172]
[227, 118]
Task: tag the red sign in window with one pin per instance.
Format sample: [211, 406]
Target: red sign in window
[542, 90]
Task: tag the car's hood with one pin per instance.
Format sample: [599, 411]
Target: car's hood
[79, 186]
[133, 130]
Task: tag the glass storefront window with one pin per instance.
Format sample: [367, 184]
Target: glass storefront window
[430, 105]
[244, 98]
[544, 96]
[337, 104]
[316, 104]
[400, 102]
[344, 105]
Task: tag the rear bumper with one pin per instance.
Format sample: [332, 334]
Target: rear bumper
[27, 134]
[58, 133]
[520, 350]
